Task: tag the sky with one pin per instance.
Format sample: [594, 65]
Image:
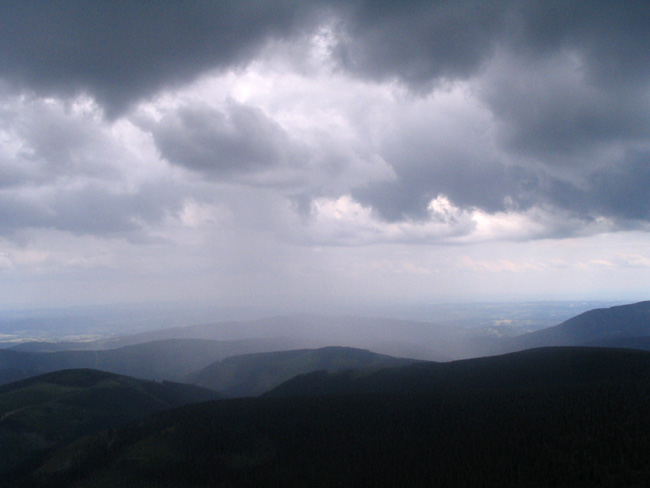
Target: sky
[323, 153]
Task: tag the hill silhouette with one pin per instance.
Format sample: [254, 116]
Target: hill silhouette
[522, 369]
[171, 359]
[42, 411]
[254, 374]
[603, 324]
[308, 331]
[548, 417]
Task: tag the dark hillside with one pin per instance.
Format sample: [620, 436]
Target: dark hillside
[170, 359]
[39, 412]
[595, 325]
[254, 374]
[642, 343]
[590, 429]
[544, 366]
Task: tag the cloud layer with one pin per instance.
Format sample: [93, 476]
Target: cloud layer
[187, 129]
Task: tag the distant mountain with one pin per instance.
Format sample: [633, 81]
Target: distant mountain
[46, 346]
[168, 356]
[388, 336]
[42, 411]
[547, 417]
[254, 374]
[533, 367]
[394, 337]
[421, 340]
[171, 359]
[603, 324]
[642, 343]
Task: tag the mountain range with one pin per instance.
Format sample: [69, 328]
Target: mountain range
[595, 326]
[538, 409]
[547, 417]
[422, 340]
[180, 354]
[170, 359]
[254, 374]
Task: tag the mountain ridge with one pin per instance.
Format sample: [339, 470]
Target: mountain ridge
[254, 374]
[587, 430]
[170, 359]
[39, 412]
[561, 365]
[601, 324]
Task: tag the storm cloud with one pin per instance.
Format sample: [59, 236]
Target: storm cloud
[187, 128]
[242, 139]
[121, 51]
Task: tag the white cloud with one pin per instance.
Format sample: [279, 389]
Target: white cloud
[344, 221]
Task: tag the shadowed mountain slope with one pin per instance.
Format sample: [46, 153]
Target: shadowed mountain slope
[168, 359]
[533, 367]
[601, 324]
[39, 412]
[253, 374]
[549, 417]
[642, 343]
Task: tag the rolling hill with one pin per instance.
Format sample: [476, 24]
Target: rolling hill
[176, 358]
[42, 411]
[547, 417]
[171, 359]
[642, 343]
[533, 367]
[598, 325]
[254, 374]
[393, 337]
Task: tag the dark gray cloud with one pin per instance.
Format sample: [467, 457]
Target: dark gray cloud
[419, 42]
[91, 209]
[467, 184]
[620, 192]
[565, 82]
[626, 189]
[120, 51]
[237, 140]
[548, 109]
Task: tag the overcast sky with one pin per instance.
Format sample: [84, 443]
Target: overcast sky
[303, 153]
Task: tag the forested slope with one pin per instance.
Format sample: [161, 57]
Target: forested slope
[584, 429]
